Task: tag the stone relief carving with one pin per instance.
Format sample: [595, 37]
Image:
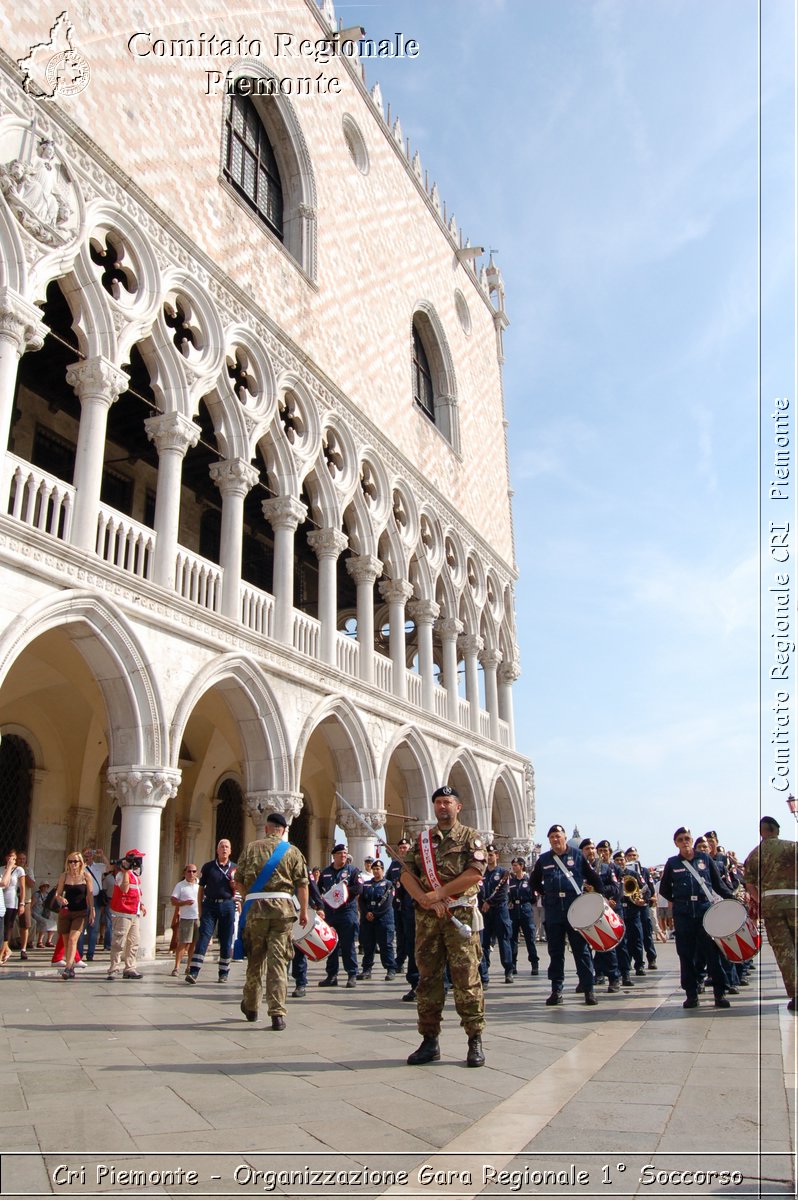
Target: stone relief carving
[40, 195]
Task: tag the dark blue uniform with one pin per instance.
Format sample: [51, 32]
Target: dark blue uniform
[405, 921]
[495, 894]
[218, 913]
[377, 901]
[299, 966]
[631, 949]
[606, 962]
[558, 895]
[522, 904]
[647, 920]
[344, 920]
[690, 902]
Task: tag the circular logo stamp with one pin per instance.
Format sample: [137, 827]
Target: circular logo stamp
[68, 72]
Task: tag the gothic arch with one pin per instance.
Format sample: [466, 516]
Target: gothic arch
[427, 324]
[510, 804]
[261, 727]
[462, 772]
[136, 732]
[412, 754]
[349, 744]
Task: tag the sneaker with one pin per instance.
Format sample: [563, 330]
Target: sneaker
[298, 992]
[191, 978]
[132, 975]
[508, 977]
[733, 991]
[81, 965]
[364, 975]
[391, 975]
[652, 966]
[222, 979]
[615, 985]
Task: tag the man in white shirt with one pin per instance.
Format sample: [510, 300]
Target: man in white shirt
[27, 885]
[185, 899]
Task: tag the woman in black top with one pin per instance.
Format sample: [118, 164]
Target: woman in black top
[75, 903]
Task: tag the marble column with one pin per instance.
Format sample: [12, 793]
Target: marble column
[471, 645]
[359, 844]
[508, 672]
[142, 794]
[448, 629]
[97, 383]
[365, 569]
[425, 613]
[21, 329]
[490, 660]
[80, 823]
[191, 830]
[172, 434]
[234, 478]
[284, 513]
[396, 593]
[327, 545]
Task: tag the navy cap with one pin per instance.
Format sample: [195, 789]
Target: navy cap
[603, 845]
[555, 829]
[338, 846]
[276, 818]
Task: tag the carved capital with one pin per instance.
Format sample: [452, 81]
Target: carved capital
[97, 379]
[509, 672]
[414, 826]
[424, 612]
[519, 847]
[396, 591]
[490, 658]
[284, 512]
[471, 644]
[143, 786]
[327, 543]
[364, 568]
[20, 323]
[288, 803]
[355, 826]
[448, 628]
[234, 476]
[487, 834]
[172, 431]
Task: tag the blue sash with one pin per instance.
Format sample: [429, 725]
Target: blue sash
[266, 872]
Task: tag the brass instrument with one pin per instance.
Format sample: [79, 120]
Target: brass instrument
[631, 890]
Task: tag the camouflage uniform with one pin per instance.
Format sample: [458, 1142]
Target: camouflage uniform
[438, 942]
[773, 866]
[267, 932]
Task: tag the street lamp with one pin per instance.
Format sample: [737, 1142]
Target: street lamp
[792, 804]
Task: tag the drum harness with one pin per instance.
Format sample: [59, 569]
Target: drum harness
[710, 895]
[565, 871]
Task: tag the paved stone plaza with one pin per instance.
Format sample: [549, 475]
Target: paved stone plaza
[103, 1078]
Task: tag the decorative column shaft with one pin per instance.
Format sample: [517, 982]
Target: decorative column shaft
[97, 383]
[471, 645]
[80, 823]
[190, 831]
[328, 544]
[507, 674]
[425, 613]
[365, 570]
[21, 329]
[448, 630]
[397, 592]
[284, 513]
[172, 434]
[142, 794]
[490, 660]
[234, 478]
[360, 845]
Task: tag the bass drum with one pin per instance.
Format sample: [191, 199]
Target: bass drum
[735, 934]
[599, 925]
[316, 939]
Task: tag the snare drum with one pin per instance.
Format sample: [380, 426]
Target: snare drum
[599, 925]
[316, 939]
[733, 931]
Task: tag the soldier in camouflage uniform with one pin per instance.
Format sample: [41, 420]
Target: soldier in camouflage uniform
[460, 864]
[267, 932]
[771, 879]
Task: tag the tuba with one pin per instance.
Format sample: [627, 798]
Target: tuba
[631, 890]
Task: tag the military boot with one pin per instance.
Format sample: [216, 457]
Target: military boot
[554, 998]
[590, 998]
[429, 1051]
[475, 1057]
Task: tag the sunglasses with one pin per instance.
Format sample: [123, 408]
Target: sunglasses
[191, 870]
[77, 860]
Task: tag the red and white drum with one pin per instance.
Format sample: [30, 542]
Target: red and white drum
[733, 931]
[316, 939]
[599, 925]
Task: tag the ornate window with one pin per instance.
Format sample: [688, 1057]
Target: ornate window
[422, 378]
[250, 164]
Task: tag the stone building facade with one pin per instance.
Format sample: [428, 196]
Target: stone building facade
[256, 545]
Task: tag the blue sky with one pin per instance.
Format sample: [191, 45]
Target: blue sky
[608, 150]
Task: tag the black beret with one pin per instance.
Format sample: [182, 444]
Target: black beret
[555, 829]
[446, 791]
[338, 846]
[277, 819]
[603, 844]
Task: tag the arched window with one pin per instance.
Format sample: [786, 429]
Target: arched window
[16, 783]
[422, 378]
[434, 388]
[230, 816]
[250, 164]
